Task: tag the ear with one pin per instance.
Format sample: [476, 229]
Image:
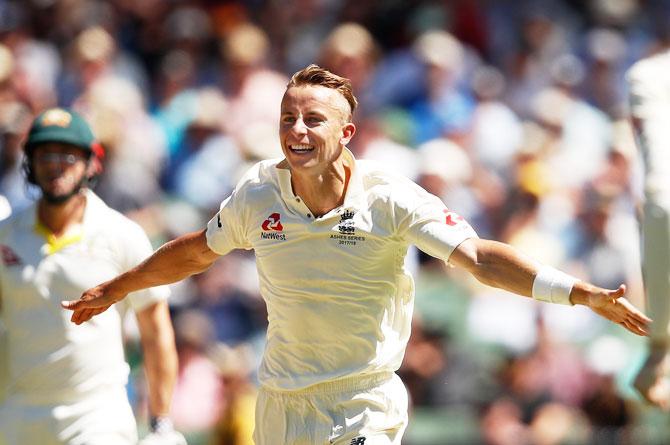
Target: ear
[94, 167]
[348, 131]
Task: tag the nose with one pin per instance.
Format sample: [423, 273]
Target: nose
[299, 127]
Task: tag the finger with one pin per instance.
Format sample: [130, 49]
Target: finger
[98, 310]
[87, 314]
[641, 328]
[76, 315]
[622, 288]
[633, 311]
[641, 318]
[634, 328]
[73, 305]
[619, 292]
[629, 327]
[81, 315]
[639, 315]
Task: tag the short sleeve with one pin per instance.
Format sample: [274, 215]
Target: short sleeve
[431, 226]
[137, 248]
[225, 231]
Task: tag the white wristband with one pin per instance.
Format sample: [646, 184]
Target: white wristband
[553, 286]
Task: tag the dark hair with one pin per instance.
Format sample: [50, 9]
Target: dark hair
[315, 75]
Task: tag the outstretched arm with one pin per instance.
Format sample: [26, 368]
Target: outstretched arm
[500, 265]
[174, 261]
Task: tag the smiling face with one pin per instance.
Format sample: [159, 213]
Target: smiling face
[59, 169]
[314, 127]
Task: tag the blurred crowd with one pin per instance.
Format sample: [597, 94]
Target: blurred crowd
[513, 112]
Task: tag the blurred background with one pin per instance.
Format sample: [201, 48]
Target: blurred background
[513, 112]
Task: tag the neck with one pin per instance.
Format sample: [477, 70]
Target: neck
[58, 218]
[324, 191]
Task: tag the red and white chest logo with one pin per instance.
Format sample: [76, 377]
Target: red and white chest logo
[452, 218]
[9, 257]
[273, 223]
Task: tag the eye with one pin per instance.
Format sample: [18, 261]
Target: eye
[313, 120]
[288, 120]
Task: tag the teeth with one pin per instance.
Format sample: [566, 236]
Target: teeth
[301, 147]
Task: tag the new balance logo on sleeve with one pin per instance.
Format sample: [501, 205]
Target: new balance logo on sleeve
[358, 441]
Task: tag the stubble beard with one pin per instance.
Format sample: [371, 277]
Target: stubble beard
[59, 199]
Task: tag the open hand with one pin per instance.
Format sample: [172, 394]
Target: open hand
[92, 302]
[612, 305]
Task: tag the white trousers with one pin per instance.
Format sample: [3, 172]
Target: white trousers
[103, 419]
[656, 266]
[369, 410]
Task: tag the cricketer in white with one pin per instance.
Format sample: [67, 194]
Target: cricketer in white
[66, 385]
[649, 82]
[330, 234]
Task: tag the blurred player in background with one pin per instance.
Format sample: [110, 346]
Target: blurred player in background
[330, 234]
[67, 385]
[649, 81]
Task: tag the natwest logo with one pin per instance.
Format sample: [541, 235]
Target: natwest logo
[273, 223]
[271, 227]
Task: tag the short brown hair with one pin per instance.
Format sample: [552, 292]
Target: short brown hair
[315, 75]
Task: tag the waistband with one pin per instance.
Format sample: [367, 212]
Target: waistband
[354, 383]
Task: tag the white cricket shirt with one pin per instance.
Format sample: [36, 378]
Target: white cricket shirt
[339, 299]
[649, 81]
[51, 359]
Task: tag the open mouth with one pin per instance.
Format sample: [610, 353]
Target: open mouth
[301, 148]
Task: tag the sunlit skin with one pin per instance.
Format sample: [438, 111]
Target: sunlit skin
[59, 179]
[314, 128]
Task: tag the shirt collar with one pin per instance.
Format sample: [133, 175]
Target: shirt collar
[76, 233]
[73, 235]
[355, 186]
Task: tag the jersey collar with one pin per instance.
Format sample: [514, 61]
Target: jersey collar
[355, 186]
[57, 243]
[74, 235]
